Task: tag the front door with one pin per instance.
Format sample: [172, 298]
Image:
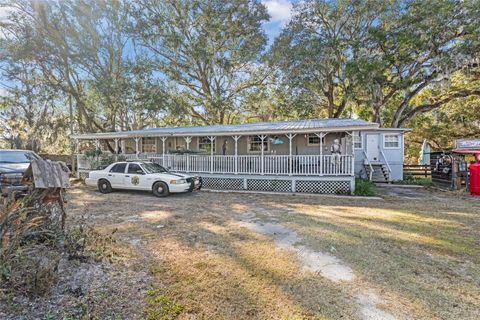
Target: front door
[135, 178]
[373, 147]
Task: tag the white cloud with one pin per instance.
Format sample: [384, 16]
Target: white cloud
[279, 10]
[3, 92]
[4, 13]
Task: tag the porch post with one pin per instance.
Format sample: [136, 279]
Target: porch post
[321, 153]
[262, 164]
[116, 149]
[163, 150]
[122, 145]
[188, 140]
[212, 139]
[136, 147]
[97, 147]
[76, 144]
[290, 167]
[321, 135]
[236, 152]
[354, 134]
[352, 163]
[187, 156]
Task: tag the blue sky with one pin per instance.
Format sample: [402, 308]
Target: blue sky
[280, 12]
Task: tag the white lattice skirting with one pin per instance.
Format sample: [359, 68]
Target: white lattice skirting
[320, 185]
[330, 185]
[83, 174]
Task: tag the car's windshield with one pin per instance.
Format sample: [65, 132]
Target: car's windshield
[17, 156]
[153, 168]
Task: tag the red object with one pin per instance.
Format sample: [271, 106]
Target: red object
[475, 177]
[468, 151]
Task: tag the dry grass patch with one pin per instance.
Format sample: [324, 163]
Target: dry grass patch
[421, 256]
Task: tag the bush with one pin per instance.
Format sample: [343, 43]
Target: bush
[106, 160]
[364, 188]
[34, 243]
[100, 160]
[93, 153]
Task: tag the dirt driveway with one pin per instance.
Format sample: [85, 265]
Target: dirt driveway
[245, 256]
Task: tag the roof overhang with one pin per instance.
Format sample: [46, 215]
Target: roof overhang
[148, 133]
[394, 129]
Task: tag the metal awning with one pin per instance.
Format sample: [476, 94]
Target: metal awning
[270, 128]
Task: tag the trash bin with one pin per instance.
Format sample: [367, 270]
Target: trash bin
[475, 176]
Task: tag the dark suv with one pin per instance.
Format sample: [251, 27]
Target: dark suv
[13, 163]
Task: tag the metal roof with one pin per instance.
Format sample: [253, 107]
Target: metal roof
[278, 127]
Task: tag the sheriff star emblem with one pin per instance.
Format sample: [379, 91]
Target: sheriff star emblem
[135, 180]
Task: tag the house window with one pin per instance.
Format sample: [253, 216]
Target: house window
[255, 144]
[149, 144]
[204, 144]
[314, 140]
[391, 141]
[357, 140]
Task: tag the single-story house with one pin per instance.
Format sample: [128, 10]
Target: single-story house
[312, 156]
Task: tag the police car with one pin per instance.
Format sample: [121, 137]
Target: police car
[140, 175]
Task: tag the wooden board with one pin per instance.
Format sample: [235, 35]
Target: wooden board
[48, 174]
[417, 170]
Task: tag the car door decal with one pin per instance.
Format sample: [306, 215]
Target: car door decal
[135, 180]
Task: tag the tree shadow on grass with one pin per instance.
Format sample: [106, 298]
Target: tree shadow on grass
[199, 243]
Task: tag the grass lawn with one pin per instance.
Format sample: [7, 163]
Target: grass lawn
[411, 258]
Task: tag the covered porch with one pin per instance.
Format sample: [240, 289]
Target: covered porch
[290, 156]
[278, 149]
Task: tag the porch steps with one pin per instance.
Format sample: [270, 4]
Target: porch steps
[380, 172]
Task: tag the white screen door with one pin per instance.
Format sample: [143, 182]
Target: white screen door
[373, 147]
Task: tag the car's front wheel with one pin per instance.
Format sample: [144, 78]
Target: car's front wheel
[160, 189]
[104, 186]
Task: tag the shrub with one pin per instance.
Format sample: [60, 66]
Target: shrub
[100, 160]
[364, 188]
[93, 153]
[106, 160]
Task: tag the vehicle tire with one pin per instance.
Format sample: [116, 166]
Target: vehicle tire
[160, 189]
[104, 186]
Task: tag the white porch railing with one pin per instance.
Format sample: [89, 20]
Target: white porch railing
[296, 165]
[299, 165]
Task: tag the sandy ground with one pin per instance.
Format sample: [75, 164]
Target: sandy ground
[413, 255]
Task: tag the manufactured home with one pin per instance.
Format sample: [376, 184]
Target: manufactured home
[305, 156]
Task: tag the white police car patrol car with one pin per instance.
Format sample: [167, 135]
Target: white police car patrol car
[140, 175]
